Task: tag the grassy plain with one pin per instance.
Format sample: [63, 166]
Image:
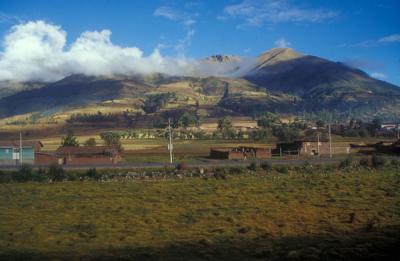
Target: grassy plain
[321, 215]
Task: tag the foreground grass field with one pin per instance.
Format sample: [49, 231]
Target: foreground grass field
[337, 215]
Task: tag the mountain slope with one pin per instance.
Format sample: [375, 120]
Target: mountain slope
[280, 80]
[324, 84]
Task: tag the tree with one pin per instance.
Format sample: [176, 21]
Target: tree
[69, 141]
[90, 142]
[286, 134]
[260, 134]
[264, 122]
[376, 125]
[320, 123]
[188, 119]
[112, 139]
[225, 127]
[225, 123]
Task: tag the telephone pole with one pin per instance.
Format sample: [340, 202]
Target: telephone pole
[20, 148]
[170, 146]
[398, 131]
[330, 141]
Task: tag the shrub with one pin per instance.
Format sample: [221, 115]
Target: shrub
[346, 163]
[182, 165]
[395, 163]
[236, 170]
[56, 173]
[24, 173]
[378, 161]
[5, 177]
[72, 176]
[90, 142]
[92, 174]
[40, 175]
[307, 167]
[282, 169]
[219, 173]
[365, 162]
[266, 165]
[252, 166]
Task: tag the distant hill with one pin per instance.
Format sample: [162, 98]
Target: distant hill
[323, 84]
[280, 80]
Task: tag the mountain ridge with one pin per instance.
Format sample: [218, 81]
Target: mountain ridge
[280, 79]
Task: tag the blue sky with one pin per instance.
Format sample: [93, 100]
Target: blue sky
[365, 34]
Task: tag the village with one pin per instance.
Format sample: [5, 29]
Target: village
[110, 151]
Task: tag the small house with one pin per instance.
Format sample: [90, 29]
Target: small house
[311, 147]
[88, 155]
[240, 153]
[10, 152]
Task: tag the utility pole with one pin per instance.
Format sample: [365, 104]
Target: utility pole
[398, 131]
[20, 148]
[330, 141]
[318, 144]
[170, 146]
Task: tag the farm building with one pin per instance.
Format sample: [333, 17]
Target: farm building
[10, 152]
[311, 148]
[240, 153]
[88, 155]
[380, 147]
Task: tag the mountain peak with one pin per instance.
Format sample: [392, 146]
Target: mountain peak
[276, 55]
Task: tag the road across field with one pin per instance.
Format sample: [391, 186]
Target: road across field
[202, 163]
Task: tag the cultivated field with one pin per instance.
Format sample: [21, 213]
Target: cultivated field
[303, 215]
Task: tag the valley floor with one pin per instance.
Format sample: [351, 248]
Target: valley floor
[352, 215]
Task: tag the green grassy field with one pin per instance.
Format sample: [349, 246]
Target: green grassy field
[336, 215]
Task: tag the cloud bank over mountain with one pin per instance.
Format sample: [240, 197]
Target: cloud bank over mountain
[38, 51]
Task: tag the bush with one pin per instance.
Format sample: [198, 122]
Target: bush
[72, 176]
[219, 173]
[266, 165]
[90, 142]
[307, 167]
[92, 174]
[378, 161]
[5, 177]
[365, 162]
[40, 175]
[182, 165]
[24, 173]
[346, 163]
[56, 173]
[282, 169]
[252, 166]
[236, 170]
[395, 163]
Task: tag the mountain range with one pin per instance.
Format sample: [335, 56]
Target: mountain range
[279, 80]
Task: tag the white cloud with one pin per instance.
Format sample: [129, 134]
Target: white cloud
[187, 20]
[394, 38]
[166, 12]
[37, 51]
[185, 42]
[282, 43]
[256, 12]
[379, 75]
[7, 18]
